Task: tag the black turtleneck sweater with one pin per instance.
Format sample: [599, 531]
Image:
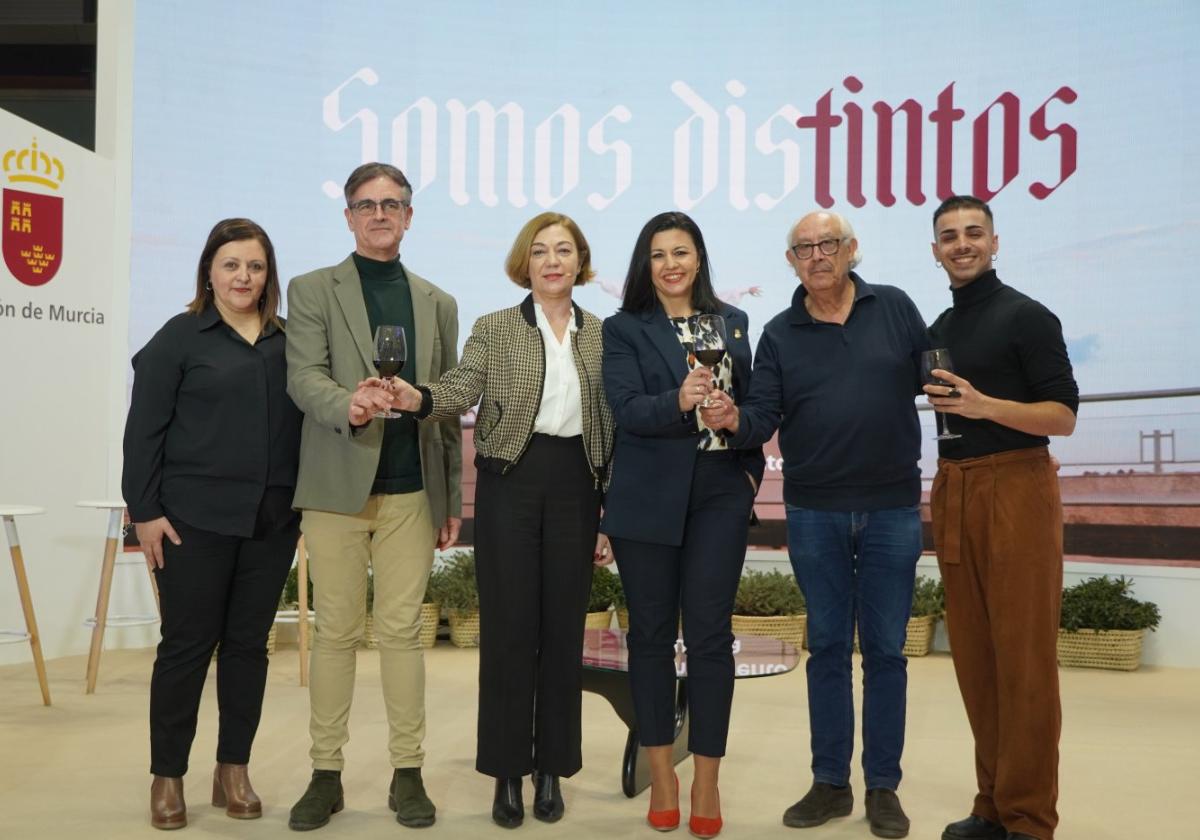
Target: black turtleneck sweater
[1008, 346]
[389, 301]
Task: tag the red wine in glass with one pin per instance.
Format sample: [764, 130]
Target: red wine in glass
[391, 352]
[708, 337]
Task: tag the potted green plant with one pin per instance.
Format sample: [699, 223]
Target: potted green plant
[600, 600]
[769, 604]
[1103, 625]
[928, 605]
[460, 597]
[431, 607]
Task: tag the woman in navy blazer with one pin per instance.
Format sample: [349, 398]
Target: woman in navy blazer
[678, 507]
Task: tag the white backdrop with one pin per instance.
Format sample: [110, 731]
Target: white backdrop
[610, 113]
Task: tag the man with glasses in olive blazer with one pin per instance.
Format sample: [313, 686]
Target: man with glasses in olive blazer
[375, 493]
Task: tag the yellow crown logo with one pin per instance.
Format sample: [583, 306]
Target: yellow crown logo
[33, 167]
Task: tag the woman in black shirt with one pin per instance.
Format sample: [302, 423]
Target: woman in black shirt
[211, 449]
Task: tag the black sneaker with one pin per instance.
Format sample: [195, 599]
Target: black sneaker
[407, 798]
[974, 828]
[320, 801]
[822, 803]
[885, 814]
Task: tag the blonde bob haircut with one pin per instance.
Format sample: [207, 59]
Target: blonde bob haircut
[517, 264]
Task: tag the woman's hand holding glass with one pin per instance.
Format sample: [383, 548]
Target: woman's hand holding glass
[401, 394]
[369, 398]
[696, 386]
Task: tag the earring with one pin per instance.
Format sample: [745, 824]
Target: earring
[995, 257]
[937, 263]
[208, 286]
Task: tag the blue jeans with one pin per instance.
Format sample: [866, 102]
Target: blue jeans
[856, 568]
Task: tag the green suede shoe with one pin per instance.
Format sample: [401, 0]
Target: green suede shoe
[320, 801]
[408, 799]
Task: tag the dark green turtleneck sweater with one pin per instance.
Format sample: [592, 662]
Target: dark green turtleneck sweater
[389, 301]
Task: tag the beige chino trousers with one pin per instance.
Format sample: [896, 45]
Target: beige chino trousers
[394, 536]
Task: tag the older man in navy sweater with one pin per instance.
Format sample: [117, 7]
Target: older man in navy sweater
[837, 373]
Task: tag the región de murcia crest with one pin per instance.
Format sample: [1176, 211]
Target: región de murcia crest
[33, 221]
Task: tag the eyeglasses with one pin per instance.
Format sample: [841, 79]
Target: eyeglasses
[368, 206]
[828, 247]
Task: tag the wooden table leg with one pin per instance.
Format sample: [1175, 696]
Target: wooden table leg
[106, 575]
[302, 613]
[35, 643]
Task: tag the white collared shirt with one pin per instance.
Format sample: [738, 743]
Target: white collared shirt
[561, 411]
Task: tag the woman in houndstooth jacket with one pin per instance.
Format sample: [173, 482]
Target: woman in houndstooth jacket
[543, 439]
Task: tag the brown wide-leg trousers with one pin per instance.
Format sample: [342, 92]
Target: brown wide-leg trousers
[997, 526]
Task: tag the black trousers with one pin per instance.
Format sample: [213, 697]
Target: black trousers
[215, 589]
[535, 532]
[701, 578]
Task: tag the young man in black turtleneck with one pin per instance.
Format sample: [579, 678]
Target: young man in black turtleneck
[997, 523]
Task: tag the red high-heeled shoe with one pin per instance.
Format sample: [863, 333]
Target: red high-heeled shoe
[706, 827]
[667, 819]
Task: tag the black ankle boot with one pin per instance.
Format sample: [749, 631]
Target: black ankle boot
[547, 797]
[508, 809]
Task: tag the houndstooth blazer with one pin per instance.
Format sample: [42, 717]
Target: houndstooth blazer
[503, 369]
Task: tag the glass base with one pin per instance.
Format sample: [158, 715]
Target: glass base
[391, 414]
[947, 436]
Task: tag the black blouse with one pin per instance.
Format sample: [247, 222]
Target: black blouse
[210, 427]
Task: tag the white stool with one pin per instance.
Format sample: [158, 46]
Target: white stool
[98, 622]
[301, 616]
[8, 513]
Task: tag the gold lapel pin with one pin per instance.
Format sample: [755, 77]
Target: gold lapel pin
[737, 333]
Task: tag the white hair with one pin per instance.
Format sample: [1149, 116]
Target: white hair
[844, 226]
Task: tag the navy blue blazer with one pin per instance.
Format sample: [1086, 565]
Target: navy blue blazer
[655, 451]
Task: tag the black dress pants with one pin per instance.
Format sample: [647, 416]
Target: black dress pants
[701, 578]
[215, 589]
[535, 532]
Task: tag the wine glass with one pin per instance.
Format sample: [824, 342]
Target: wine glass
[708, 343]
[391, 352]
[938, 359]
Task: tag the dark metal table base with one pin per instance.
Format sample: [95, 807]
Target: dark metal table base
[613, 686]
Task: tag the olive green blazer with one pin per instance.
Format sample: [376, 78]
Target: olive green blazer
[329, 351]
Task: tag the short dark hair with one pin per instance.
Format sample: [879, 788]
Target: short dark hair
[237, 230]
[639, 293]
[371, 171]
[962, 202]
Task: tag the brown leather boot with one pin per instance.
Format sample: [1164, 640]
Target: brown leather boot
[167, 808]
[232, 791]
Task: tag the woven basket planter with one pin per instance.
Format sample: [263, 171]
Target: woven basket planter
[919, 640]
[1113, 650]
[464, 628]
[622, 618]
[598, 620]
[787, 628]
[431, 614]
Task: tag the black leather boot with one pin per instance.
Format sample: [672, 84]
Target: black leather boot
[547, 797]
[508, 809]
